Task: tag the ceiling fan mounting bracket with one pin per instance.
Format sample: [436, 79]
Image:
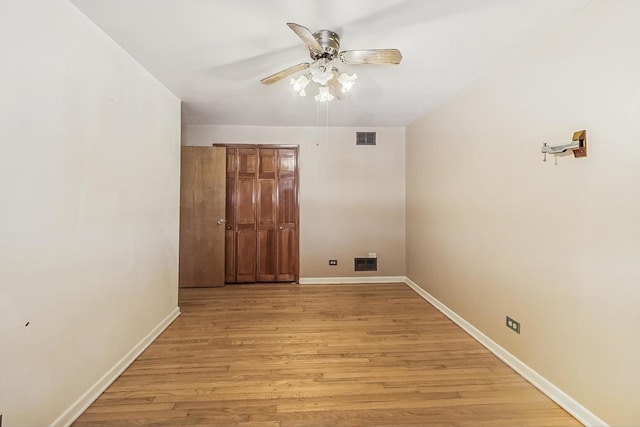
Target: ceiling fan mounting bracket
[330, 43]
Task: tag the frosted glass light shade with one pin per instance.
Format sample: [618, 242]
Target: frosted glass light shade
[299, 84]
[323, 94]
[321, 75]
[347, 81]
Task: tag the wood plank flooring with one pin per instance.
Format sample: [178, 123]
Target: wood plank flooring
[318, 355]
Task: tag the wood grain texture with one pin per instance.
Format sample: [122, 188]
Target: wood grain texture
[267, 212]
[318, 355]
[262, 238]
[202, 204]
[287, 241]
[245, 216]
[230, 229]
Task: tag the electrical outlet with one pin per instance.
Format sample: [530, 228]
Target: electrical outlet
[513, 325]
[333, 262]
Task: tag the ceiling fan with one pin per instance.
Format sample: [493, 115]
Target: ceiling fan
[324, 47]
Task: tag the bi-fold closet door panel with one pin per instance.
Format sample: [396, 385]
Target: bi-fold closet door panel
[287, 216]
[240, 242]
[267, 210]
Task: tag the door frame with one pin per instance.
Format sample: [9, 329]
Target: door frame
[295, 147]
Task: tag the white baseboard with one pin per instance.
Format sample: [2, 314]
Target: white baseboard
[350, 280]
[565, 401]
[79, 406]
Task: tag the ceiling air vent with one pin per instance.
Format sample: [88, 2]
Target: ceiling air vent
[365, 138]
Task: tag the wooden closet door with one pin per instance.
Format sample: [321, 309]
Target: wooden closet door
[202, 209]
[230, 232]
[244, 222]
[287, 207]
[267, 204]
[262, 214]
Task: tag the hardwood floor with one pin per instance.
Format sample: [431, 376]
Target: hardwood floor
[318, 355]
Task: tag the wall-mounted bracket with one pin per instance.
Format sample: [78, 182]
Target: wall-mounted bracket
[578, 145]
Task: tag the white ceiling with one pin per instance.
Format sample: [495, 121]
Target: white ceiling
[213, 53]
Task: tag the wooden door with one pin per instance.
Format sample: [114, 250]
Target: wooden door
[230, 233]
[287, 208]
[241, 219]
[267, 215]
[261, 242]
[202, 213]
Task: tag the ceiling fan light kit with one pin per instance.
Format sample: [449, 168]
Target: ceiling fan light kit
[329, 80]
[324, 48]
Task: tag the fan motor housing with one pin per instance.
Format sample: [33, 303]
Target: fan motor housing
[330, 43]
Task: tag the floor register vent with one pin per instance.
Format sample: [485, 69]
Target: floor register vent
[366, 264]
[365, 138]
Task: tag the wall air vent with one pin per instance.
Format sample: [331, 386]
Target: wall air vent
[365, 138]
[366, 264]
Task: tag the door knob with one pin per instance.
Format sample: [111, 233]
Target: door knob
[221, 221]
[281, 227]
[229, 227]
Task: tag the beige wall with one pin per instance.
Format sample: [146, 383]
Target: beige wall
[494, 231]
[351, 197]
[89, 173]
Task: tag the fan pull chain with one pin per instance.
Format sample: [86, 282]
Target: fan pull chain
[318, 124]
[327, 125]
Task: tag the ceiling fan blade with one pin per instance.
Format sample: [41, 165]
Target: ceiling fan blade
[372, 56]
[306, 36]
[284, 73]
